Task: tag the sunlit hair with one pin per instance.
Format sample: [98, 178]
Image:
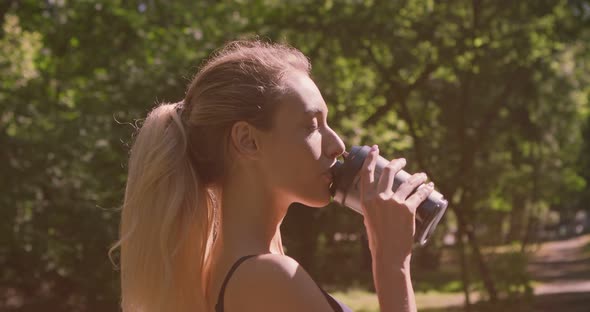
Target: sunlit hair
[171, 212]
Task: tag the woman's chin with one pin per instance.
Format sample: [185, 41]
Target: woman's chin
[317, 198]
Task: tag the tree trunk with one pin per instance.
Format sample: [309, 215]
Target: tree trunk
[481, 264]
[464, 267]
[517, 215]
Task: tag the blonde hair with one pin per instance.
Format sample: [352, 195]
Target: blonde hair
[171, 211]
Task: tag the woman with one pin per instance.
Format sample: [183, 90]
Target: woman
[210, 180]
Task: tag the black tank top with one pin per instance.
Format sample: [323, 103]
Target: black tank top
[336, 306]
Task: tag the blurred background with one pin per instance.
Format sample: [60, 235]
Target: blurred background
[490, 98]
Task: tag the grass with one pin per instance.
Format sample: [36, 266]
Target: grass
[441, 290]
[364, 301]
[506, 263]
[445, 280]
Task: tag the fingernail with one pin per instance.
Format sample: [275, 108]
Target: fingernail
[374, 147]
[403, 161]
[430, 184]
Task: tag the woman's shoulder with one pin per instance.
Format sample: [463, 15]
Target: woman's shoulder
[273, 282]
[273, 265]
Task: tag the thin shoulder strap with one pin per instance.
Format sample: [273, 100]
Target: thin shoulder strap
[333, 303]
[219, 305]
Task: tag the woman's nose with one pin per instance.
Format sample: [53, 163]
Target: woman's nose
[335, 146]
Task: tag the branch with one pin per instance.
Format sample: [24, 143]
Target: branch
[475, 9]
[407, 117]
[384, 71]
[398, 93]
[493, 113]
[390, 98]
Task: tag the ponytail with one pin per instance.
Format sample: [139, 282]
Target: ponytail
[166, 223]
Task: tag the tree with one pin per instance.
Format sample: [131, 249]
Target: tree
[488, 98]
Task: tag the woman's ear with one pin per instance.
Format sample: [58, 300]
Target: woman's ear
[245, 140]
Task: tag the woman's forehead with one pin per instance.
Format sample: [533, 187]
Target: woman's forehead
[304, 97]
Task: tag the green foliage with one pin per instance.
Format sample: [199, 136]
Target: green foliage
[510, 272]
[18, 50]
[490, 98]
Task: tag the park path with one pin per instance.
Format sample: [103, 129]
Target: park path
[561, 274]
[562, 270]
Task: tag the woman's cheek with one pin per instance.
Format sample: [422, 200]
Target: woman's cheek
[315, 144]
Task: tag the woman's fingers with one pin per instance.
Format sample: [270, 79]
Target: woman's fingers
[404, 190]
[388, 174]
[368, 171]
[421, 194]
[383, 188]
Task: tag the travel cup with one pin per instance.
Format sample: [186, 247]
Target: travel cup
[345, 190]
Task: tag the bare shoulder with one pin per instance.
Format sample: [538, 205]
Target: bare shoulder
[273, 266]
[273, 283]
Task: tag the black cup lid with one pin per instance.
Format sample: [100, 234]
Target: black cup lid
[345, 172]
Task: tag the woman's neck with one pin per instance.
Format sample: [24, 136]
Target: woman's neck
[250, 218]
[276, 246]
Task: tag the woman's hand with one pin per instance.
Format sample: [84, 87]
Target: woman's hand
[389, 216]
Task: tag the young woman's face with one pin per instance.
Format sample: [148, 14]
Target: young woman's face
[301, 148]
